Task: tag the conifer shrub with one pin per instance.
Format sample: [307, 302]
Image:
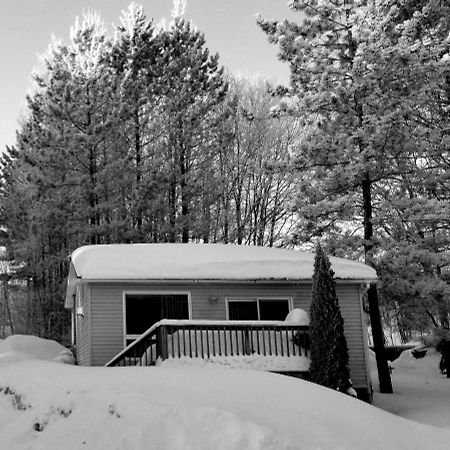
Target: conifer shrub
[329, 351]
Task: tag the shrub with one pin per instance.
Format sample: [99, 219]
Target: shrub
[329, 351]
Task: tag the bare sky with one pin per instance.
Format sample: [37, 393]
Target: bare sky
[229, 26]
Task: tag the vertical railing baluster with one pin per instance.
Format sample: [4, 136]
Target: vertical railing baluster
[225, 341]
[195, 341]
[257, 342]
[270, 345]
[190, 343]
[201, 343]
[184, 341]
[242, 341]
[263, 340]
[220, 345]
[287, 342]
[275, 340]
[280, 333]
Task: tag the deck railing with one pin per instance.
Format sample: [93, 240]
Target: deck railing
[212, 340]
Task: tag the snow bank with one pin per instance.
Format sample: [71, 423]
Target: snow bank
[421, 392]
[22, 348]
[54, 406]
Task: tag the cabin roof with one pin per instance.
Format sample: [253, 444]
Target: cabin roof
[204, 262]
[201, 262]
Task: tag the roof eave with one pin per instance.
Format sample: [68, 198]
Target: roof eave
[362, 280]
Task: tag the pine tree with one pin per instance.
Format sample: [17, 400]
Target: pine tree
[191, 88]
[329, 351]
[358, 75]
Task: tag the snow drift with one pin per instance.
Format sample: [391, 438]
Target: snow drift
[21, 348]
[51, 406]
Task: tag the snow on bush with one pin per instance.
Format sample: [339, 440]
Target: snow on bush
[297, 316]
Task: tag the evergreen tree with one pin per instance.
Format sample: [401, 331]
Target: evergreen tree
[358, 75]
[191, 88]
[329, 351]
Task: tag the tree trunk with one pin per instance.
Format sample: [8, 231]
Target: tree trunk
[185, 200]
[384, 376]
[138, 159]
[172, 209]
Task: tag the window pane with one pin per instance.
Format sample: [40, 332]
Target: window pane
[273, 309]
[143, 310]
[243, 310]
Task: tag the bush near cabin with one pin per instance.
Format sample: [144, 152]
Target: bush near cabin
[329, 350]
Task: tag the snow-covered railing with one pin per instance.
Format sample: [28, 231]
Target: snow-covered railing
[284, 344]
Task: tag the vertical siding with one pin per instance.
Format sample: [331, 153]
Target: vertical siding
[350, 304]
[84, 354]
[108, 325]
[107, 321]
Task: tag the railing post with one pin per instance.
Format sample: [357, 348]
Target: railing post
[161, 343]
[246, 342]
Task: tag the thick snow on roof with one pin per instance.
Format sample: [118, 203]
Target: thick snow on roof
[204, 262]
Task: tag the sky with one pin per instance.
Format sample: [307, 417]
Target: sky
[229, 27]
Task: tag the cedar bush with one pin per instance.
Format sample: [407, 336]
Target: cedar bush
[329, 351]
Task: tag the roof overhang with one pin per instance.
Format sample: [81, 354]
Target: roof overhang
[202, 263]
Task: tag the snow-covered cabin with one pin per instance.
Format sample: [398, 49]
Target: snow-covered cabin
[116, 292]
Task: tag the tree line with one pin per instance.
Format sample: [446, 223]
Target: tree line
[370, 83]
[143, 137]
[137, 137]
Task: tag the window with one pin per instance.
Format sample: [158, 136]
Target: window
[258, 308]
[142, 310]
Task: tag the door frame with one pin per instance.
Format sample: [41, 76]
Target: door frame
[148, 292]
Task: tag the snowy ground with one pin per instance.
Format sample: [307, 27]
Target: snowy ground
[49, 405]
[421, 392]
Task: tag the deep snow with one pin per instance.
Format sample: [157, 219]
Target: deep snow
[421, 392]
[47, 405]
[205, 262]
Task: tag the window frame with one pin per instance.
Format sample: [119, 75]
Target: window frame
[148, 292]
[257, 300]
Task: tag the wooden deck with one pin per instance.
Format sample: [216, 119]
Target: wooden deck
[273, 346]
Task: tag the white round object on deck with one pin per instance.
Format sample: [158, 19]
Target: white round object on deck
[297, 316]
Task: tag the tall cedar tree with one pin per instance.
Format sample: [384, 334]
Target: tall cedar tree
[329, 351]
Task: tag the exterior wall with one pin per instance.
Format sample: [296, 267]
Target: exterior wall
[108, 326]
[350, 305]
[83, 323]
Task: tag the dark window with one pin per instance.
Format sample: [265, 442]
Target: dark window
[269, 309]
[143, 310]
[273, 309]
[243, 310]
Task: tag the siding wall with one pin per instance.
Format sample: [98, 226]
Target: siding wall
[84, 342]
[107, 326]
